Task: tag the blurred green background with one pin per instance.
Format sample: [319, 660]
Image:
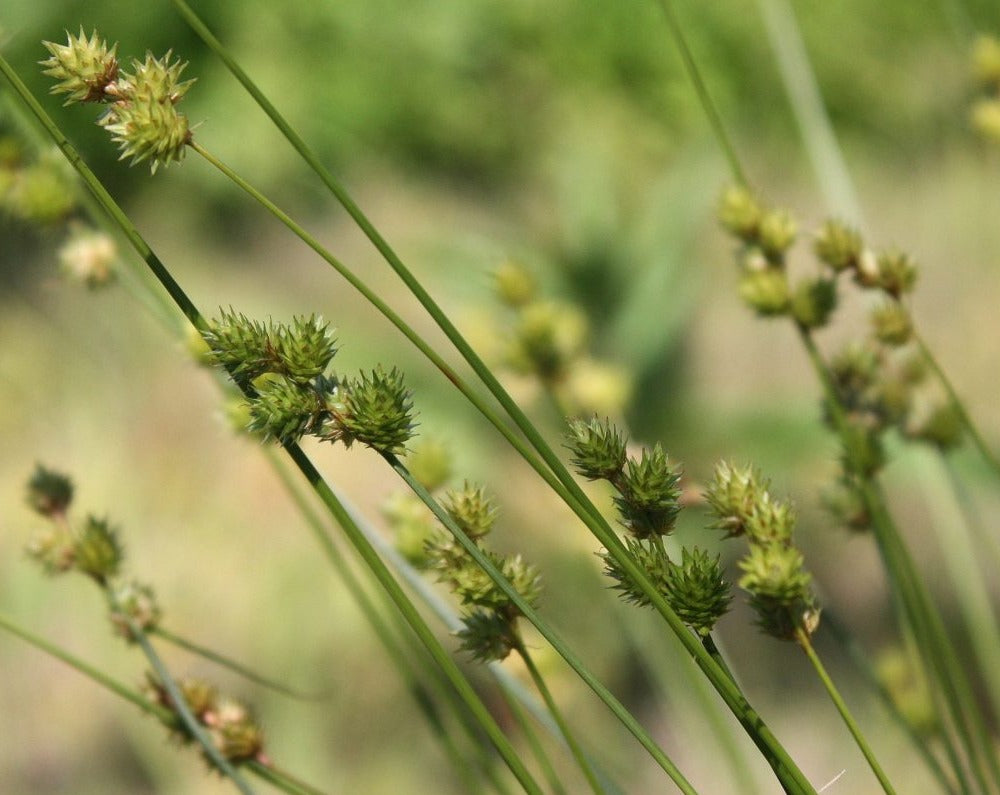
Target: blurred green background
[561, 134]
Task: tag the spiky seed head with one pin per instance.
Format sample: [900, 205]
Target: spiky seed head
[378, 411]
[766, 291]
[838, 245]
[472, 509]
[897, 273]
[777, 234]
[813, 301]
[732, 495]
[98, 552]
[548, 336]
[598, 449]
[283, 410]
[487, 635]
[649, 494]
[513, 284]
[235, 732]
[891, 324]
[49, 492]
[84, 67]
[771, 521]
[740, 213]
[697, 591]
[780, 590]
[137, 602]
[155, 79]
[148, 129]
[940, 426]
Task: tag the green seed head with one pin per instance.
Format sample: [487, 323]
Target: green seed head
[84, 67]
[766, 291]
[838, 245]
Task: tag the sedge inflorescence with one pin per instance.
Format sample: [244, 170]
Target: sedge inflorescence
[142, 114]
[879, 379]
[283, 369]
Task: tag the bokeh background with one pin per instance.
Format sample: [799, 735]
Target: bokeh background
[563, 135]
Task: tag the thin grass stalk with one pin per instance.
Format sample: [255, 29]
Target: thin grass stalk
[282, 779]
[232, 665]
[802, 637]
[831, 170]
[964, 562]
[305, 466]
[956, 403]
[404, 660]
[709, 708]
[567, 489]
[158, 711]
[180, 705]
[270, 773]
[617, 708]
[567, 733]
[969, 722]
[406, 607]
[926, 622]
[784, 775]
[863, 665]
[523, 721]
[588, 514]
[694, 74]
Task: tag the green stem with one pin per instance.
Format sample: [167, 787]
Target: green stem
[567, 733]
[783, 774]
[919, 611]
[694, 75]
[180, 705]
[523, 721]
[281, 778]
[617, 708]
[232, 665]
[167, 717]
[568, 490]
[860, 659]
[404, 660]
[958, 407]
[413, 618]
[804, 641]
[97, 675]
[563, 485]
[316, 481]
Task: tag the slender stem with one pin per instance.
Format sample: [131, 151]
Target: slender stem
[802, 637]
[405, 660]
[523, 721]
[413, 618]
[788, 782]
[567, 733]
[177, 700]
[281, 778]
[301, 461]
[619, 710]
[977, 438]
[232, 665]
[568, 490]
[563, 484]
[694, 75]
[919, 610]
[97, 675]
[860, 659]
